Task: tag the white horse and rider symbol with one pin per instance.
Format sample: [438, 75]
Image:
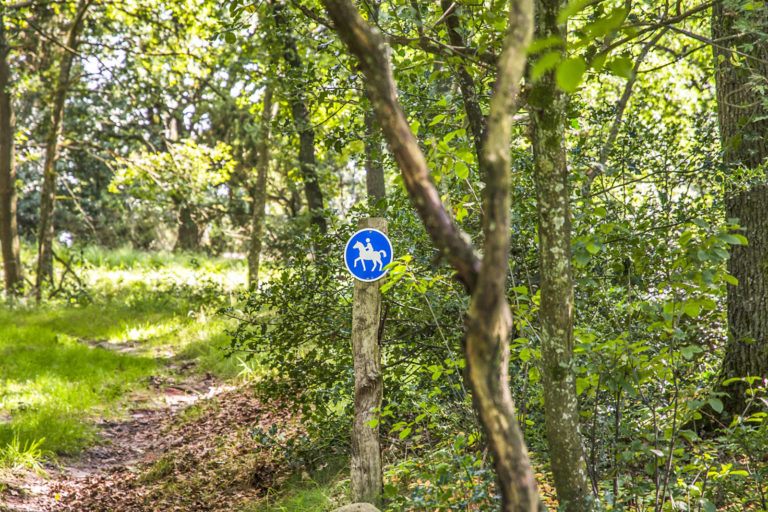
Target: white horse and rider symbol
[367, 253]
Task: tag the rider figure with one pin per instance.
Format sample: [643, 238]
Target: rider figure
[368, 246]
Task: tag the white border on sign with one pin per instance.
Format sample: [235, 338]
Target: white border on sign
[346, 248]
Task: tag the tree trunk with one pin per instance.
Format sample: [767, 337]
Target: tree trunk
[466, 82]
[547, 107]
[48, 193]
[188, 238]
[260, 191]
[743, 120]
[374, 171]
[489, 320]
[366, 475]
[9, 233]
[303, 124]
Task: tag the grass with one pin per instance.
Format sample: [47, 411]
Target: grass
[68, 361]
[28, 455]
[320, 491]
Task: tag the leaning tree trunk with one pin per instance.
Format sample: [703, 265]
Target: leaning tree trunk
[260, 190]
[489, 320]
[303, 124]
[547, 107]
[9, 233]
[48, 193]
[741, 73]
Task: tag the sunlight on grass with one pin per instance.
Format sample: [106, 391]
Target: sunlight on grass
[16, 455]
[66, 362]
[316, 492]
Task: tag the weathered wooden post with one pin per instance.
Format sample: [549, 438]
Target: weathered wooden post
[367, 253]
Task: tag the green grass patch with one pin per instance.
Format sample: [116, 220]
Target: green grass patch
[17, 455]
[318, 491]
[67, 361]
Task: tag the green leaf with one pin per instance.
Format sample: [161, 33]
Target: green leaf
[544, 43]
[570, 73]
[461, 169]
[572, 8]
[692, 309]
[688, 352]
[230, 38]
[732, 239]
[621, 66]
[404, 433]
[581, 257]
[716, 405]
[592, 248]
[543, 64]
[437, 119]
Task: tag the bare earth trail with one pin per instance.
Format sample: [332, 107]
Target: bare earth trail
[186, 447]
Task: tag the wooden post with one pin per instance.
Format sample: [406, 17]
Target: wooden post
[366, 478]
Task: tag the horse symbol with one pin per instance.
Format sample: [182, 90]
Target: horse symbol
[367, 252]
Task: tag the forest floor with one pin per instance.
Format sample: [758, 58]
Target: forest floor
[185, 445]
[118, 398]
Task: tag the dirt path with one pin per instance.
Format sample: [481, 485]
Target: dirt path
[188, 446]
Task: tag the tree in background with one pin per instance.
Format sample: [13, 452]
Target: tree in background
[296, 68]
[9, 233]
[48, 193]
[268, 112]
[185, 178]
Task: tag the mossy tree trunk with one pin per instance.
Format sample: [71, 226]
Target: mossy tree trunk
[741, 72]
[547, 106]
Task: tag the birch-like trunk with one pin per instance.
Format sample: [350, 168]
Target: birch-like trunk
[260, 190]
[547, 106]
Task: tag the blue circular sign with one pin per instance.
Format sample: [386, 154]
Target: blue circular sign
[367, 253]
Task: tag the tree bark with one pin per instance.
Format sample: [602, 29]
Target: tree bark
[366, 475]
[464, 78]
[260, 191]
[374, 171]
[743, 120]
[547, 108]
[188, 238]
[9, 232]
[489, 319]
[303, 124]
[48, 193]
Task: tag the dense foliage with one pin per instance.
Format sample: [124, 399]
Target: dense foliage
[160, 146]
